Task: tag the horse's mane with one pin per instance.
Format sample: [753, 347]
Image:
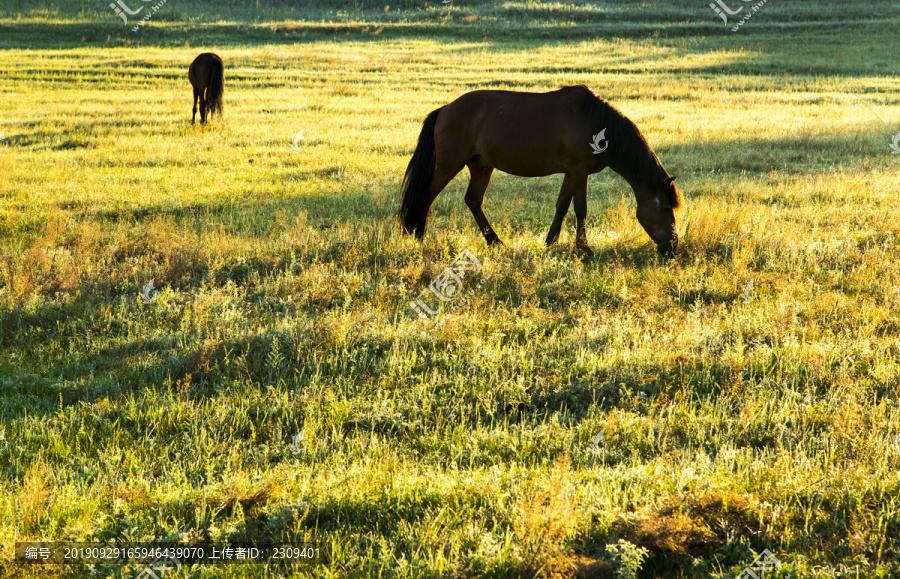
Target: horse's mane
[631, 148]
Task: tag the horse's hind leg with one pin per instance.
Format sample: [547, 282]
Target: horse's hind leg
[562, 207]
[443, 174]
[202, 106]
[194, 117]
[478, 184]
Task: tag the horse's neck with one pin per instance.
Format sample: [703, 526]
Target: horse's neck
[634, 160]
[643, 176]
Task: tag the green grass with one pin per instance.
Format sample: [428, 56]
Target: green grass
[734, 420]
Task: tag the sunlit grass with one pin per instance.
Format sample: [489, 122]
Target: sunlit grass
[747, 390]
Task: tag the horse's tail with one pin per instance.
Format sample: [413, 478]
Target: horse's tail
[414, 192]
[216, 86]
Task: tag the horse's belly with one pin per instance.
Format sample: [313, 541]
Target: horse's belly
[524, 163]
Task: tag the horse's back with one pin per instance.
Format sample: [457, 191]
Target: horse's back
[206, 58]
[201, 70]
[522, 133]
[525, 102]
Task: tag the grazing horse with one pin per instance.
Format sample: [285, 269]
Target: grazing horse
[207, 76]
[569, 131]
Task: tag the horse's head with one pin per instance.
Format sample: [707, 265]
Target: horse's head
[656, 214]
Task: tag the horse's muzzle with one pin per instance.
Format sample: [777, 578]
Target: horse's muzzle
[667, 248]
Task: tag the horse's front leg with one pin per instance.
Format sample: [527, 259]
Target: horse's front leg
[580, 194]
[562, 207]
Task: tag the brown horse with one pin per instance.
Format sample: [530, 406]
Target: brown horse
[207, 76]
[569, 131]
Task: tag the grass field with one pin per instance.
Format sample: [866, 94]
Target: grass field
[735, 417]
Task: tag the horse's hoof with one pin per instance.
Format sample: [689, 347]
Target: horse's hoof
[584, 250]
[492, 239]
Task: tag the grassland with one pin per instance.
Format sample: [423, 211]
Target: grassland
[734, 419]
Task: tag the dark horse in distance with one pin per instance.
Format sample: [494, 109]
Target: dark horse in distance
[569, 131]
[207, 76]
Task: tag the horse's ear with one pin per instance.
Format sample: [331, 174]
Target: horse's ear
[668, 181]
